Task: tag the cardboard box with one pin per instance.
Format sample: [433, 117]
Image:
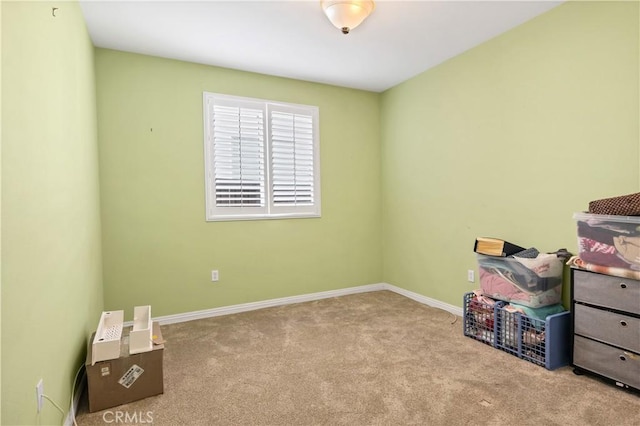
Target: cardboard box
[128, 378]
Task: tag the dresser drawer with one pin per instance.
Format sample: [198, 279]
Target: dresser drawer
[604, 290]
[609, 327]
[623, 366]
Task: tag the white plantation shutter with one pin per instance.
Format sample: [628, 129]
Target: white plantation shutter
[292, 142]
[261, 159]
[238, 144]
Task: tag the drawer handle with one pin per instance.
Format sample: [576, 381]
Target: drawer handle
[623, 285]
[623, 358]
[623, 323]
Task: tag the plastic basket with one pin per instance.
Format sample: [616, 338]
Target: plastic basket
[545, 343]
[106, 343]
[140, 337]
[479, 319]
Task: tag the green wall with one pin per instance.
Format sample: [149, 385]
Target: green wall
[157, 247]
[0, 217]
[508, 140]
[51, 260]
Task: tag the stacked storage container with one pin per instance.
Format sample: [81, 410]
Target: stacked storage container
[479, 318]
[492, 314]
[543, 342]
[609, 241]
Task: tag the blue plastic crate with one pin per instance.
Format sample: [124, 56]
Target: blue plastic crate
[479, 319]
[546, 343]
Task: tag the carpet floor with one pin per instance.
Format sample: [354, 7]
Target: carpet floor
[374, 358]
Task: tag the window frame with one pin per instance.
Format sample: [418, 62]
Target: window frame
[214, 212]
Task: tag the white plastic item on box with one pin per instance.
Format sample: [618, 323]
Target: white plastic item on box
[140, 337]
[106, 343]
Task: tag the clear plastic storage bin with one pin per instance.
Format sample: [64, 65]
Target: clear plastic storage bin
[608, 240]
[526, 282]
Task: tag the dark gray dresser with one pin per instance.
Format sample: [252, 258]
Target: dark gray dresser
[605, 314]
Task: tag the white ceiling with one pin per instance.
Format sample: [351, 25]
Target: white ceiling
[295, 39]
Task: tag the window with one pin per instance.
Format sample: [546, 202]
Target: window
[261, 159]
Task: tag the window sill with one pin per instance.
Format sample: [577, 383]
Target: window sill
[233, 218]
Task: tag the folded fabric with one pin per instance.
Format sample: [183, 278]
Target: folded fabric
[595, 246]
[480, 297]
[618, 227]
[496, 285]
[625, 205]
[595, 233]
[545, 265]
[629, 249]
[605, 259]
[579, 263]
[537, 313]
[518, 274]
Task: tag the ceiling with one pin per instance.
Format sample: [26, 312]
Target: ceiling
[295, 39]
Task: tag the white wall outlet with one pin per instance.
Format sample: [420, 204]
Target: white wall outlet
[471, 276]
[214, 276]
[39, 392]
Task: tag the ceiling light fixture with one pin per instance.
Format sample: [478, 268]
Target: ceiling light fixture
[347, 14]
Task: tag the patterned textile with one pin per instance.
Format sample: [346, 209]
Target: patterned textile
[629, 249]
[545, 265]
[625, 205]
[499, 286]
[530, 253]
[577, 262]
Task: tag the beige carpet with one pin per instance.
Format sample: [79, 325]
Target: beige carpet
[367, 359]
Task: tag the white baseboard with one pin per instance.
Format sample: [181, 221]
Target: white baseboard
[252, 306]
[424, 299]
[69, 420]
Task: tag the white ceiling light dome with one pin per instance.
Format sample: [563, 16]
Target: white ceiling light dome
[347, 14]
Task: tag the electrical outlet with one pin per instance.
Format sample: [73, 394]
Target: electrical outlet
[471, 276]
[39, 392]
[214, 276]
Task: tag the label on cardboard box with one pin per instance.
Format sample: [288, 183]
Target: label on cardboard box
[131, 376]
[105, 370]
